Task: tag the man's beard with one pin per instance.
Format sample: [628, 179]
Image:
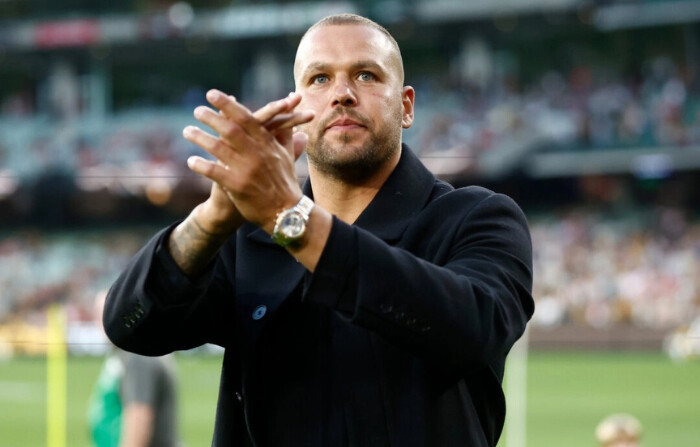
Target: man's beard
[365, 160]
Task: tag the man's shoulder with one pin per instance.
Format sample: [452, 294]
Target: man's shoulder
[468, 205]
[445, 195]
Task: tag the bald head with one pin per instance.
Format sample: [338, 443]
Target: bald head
[395, 59]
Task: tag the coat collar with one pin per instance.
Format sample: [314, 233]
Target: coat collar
[402, 196]
[400, 199]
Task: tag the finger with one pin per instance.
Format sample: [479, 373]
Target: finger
[209, 143]
[282, 127]
[209, 169]
[284, 138]
[288, 120]
[299, 142]
[229, 130]
[238, 114]
[271, 109]
[206, 115]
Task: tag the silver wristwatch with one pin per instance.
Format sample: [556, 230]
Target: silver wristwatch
[290, 224]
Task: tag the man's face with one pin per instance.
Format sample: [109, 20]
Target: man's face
[350, 75]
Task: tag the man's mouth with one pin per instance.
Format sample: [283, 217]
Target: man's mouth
[344, 123]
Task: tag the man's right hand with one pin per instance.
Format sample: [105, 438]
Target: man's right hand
[218, 214]
[198, 238]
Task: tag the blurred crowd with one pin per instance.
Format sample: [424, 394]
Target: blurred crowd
[641, 269]
[458, 121]
[585, 108]
[38, 269]
[118, 154]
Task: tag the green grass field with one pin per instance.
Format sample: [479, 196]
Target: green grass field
[568, 393]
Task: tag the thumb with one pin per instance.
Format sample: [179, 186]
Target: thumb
[299, 143]
[284, 137]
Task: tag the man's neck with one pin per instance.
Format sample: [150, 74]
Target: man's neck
[348, 200]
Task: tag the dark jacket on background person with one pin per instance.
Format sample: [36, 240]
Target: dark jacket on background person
[399, 337]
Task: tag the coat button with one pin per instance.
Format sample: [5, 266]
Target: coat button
[259, 312]
[239, 396]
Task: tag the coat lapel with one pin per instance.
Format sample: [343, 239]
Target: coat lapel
[403, 195]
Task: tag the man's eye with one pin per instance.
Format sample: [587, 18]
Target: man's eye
[320, 79]
[365, 76]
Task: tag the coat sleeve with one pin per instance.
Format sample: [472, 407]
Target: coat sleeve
[463, 308]
[153, 308]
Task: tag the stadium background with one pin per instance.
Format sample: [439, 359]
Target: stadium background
[587, 113]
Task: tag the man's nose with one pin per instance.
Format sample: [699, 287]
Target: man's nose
[344, 95]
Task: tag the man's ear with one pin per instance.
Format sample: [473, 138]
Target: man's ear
[408, 96]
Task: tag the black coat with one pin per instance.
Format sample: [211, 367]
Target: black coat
[399, 337]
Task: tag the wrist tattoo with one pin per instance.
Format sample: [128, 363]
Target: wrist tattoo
[192, 247]
[211, 234]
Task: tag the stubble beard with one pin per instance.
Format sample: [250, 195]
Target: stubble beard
[333, 160]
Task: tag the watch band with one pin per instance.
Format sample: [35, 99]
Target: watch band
[305, 205]
[290, 224]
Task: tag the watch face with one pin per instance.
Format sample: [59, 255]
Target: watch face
[292, 224]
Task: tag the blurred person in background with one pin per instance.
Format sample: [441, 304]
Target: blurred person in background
[134, 403]
[619, 430]
[373, 306]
